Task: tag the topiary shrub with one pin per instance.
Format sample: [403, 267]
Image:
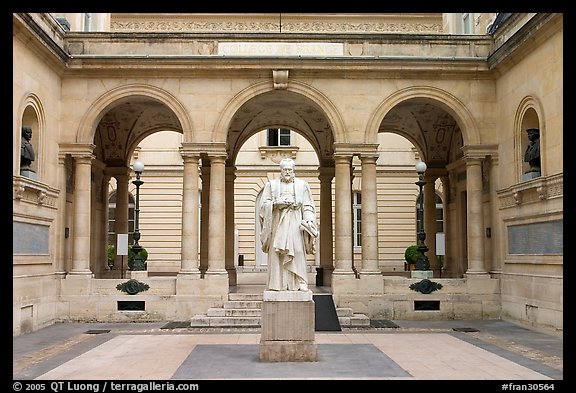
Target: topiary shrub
[143, 254]
[411, 255]
[112, 254]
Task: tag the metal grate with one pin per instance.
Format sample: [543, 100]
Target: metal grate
[127, 305]
[465, 329]
[383, 323]
[176, 325]
[97, 331]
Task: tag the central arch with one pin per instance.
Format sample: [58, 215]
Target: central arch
[326, 106]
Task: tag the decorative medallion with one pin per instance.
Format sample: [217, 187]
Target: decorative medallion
[132, 287]
[425, 286]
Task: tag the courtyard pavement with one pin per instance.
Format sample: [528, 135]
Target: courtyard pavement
[511, 356]
[414, 350]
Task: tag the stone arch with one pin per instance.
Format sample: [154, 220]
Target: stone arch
[87, 127]
[447, 101]
[528, 103]
[336, 122]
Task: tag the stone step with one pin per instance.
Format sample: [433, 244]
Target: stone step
[344, 312]
[234, 312]
[245, 309]
[206, 321]
[245, 296]
[356, 320]
[240, 304]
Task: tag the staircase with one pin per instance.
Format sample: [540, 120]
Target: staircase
[245, 309]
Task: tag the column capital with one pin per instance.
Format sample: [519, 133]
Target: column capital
[342, 158]
[218, 158]
[198, 148]
[358, 149]
[77, 150]
[189, 154]
[479, 152]
[369, 158]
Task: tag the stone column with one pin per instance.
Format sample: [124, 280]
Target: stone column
[495, 238]
[217, 213]
[475, 216]
[105, 219]
[369, 215]
[189, 243]
[230, 265]
[445, 179]
[60, 257]
[430, 219]
[82, 220]
[205, 197]
[121, 219]
[343, 229]
[326, 174]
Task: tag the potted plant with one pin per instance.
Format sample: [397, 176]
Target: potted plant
[112, 255]
[410, 255]
[143, 254]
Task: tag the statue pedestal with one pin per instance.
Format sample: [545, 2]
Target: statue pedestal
[423, 274]
[29, 173]
[531, 175]
[138, 274]
[288, 327]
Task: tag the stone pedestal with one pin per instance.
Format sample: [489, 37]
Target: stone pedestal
[531, 175]
[138, 274]
[29, 173]
[423, 274]
[288, 327]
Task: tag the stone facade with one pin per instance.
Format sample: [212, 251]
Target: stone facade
[366, 96]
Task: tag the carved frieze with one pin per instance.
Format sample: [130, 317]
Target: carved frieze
[269, 24]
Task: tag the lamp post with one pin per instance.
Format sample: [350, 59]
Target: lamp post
[422, 262]
[137, 263]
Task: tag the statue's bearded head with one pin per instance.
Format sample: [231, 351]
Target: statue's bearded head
[287, 174]
[287, 170]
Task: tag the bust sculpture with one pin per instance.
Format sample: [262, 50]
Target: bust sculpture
[532, 154]
[26, 151]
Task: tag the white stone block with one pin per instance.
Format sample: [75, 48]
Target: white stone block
[287, 296]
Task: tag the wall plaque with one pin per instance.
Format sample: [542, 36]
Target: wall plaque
[280, 49]
[538, 238]
[30, 238]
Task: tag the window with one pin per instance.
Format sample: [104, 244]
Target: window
[87, 21]
[466, 23]
[112, 218]
[357, 212]
[278, 137]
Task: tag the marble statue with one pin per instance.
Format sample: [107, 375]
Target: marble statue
[288, 229]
